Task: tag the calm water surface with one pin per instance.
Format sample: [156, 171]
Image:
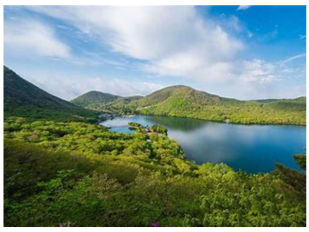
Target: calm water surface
[254, 148]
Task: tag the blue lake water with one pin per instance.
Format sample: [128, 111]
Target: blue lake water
[252, 148]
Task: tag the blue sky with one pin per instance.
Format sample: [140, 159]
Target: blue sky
[245, 52]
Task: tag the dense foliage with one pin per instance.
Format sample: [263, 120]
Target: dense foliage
[158, 129]
[183, 101]
[22, 98]
[94, 99]
[80, 174]
[134, 125]
[301, 160]
[58, 172]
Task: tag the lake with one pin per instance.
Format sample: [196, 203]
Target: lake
[252, 148]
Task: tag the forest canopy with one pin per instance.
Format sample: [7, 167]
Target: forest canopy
[60, 173]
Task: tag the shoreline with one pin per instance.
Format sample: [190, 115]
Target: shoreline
[207, 120]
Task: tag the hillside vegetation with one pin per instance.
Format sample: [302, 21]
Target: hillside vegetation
[94, 99]
[21, 98]
[80, 174]
[183, 101]
[60, 172]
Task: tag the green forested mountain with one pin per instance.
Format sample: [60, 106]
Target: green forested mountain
[94, 99]
[179, 91]
[124, 105]
[63, 173]
[183, 101]
[187, 102]
[21, 98]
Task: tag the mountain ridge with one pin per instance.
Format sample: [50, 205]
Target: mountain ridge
[184, 101]
[188, 87]
[24, 99]
[91, 98]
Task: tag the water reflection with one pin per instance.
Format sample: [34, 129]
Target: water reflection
[251, 148]
[176, 123]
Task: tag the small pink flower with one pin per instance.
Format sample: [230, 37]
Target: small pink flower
[154, 224]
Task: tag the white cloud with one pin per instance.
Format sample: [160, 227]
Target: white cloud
[255, 79]
[175, 40]
[243, 7]
[170, 41]
[258, 79]
[30, 37]
[258, 71]
[303, 55]
[73, 85]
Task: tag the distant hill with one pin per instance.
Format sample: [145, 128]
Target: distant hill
[184, 101]
[23, 99]
[187, 94]
[94, 99]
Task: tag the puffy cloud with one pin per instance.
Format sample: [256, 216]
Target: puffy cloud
[29, 36]
[73, 85]
[166, 41]
[258, 79]
[258, 71]
[174, 40]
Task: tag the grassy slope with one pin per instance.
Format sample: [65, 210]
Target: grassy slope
[184, 101]
[99, 101]
[21, 98]
[94, 99]
[83, 174]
